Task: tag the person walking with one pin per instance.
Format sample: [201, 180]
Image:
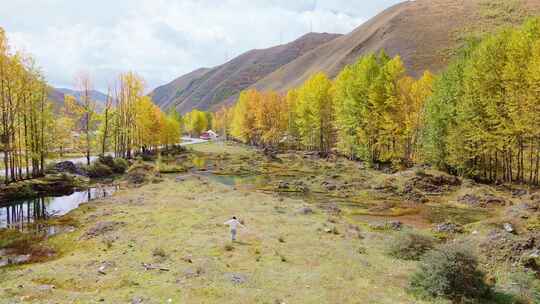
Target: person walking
[234, 224]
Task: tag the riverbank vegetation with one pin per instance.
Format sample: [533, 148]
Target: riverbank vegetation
[32, 128]
[478, 118]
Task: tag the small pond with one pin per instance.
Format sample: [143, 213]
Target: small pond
[17, 214]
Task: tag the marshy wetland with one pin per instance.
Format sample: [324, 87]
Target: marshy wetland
[318, 231]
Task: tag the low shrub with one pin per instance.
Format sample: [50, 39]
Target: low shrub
[16, 240]
[168, 169]
[450, 272]
[107, 160]
[99, 170]
[410, 245]
[140, 173]
[120, 165]
[159, 252]
[106, 166]
[524, 287]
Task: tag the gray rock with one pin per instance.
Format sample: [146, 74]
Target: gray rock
[237, 278]
[305, 210]
[331, 208]
[519, 192]
[4, 262]
[46, 287]
[193, 272]
[101, 228]
[137, 301]
[391, 225]
[448, 228]
[509, 228]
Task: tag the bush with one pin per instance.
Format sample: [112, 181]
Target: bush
[449, 272]
[140, 173]
[159, 252]
[523, 287]
[107, 160]
[99, 170]
[120, 165]
[16, 240]
[410, 246]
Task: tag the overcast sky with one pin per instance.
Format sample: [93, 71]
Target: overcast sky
[163, 39]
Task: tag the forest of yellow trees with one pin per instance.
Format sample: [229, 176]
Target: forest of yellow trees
[32, 128]
[478, 118]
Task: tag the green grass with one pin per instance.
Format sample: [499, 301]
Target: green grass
[283, 256]
[184, 222]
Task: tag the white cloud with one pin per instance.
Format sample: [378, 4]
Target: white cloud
[162, 39]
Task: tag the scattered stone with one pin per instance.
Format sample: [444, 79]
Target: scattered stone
[180, 178]
[509, 228]
[391, 225]
[237, 278]
[484, 201]
[193, 273]
[519, 192]
[187, 259]
[154, 267]
[448, 228]
[46, 287]
[433, 184]
[297, 186]
[331, 208]
[411, 194]
[305, 210]
[102, 228]
[137, 301]
[283, 185]
[105, 266]
[329, 186]
[354, 232]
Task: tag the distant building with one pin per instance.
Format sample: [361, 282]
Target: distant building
[209, 135]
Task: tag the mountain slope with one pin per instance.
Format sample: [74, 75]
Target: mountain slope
[205, 88]
[56, 95]
[97, 96]
[424, 33]
[164, 96]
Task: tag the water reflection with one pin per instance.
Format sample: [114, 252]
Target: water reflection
[17, 214]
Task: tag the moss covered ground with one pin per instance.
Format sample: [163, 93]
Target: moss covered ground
[166, 243]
